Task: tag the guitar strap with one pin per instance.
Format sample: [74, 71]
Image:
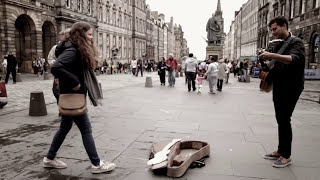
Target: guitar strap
[282, 49]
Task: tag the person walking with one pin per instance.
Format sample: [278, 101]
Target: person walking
[63, 35]
[191, 66]
[288, 83]
[139, 67]
[211, 74]
[133, 66]
[222, 67]
[172, 67]
[229, 67]
[162, 71]
[77, 58]
[12, 67]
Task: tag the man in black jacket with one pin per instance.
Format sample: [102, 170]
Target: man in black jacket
[288, 83]
[11, 67]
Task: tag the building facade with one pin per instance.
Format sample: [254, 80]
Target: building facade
[304, 22]
[29, 28]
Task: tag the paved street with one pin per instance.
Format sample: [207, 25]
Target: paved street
[238, 123]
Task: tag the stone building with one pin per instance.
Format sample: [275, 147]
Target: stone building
[25, 25]
[29, 28]
[304, 22]
[178, 33]
[249, 30]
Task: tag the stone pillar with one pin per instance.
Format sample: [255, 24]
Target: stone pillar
[18, 77]
[37, 106]
[148, 82]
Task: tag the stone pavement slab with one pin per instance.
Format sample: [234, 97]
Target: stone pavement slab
[238, 123]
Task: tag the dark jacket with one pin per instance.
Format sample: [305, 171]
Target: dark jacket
[11, 60]
[162, 67]
[69, 68]
[290, 77]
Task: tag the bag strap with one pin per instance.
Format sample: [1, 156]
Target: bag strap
[282, 49]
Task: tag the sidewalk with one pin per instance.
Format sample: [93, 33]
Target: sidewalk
[238, 123]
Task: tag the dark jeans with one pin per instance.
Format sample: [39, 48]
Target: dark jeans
[13, 72]
[191, 76]
[284, 104]
[84, 126]
[219, 84]
[56, 90]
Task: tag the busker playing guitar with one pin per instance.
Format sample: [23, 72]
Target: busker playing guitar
[288, 83]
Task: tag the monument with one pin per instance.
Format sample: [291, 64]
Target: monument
[215, 34]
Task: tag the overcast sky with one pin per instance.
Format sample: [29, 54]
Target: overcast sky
[193, 17]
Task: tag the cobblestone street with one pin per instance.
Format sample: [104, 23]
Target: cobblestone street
[238, 123]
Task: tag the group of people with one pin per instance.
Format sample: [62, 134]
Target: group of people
[39, 65]
[76, 52]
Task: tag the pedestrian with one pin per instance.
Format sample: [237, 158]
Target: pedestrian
[288, 83]
[200, 79]
[222, 67]
[229, 68]
[63, 35]
[4, 65]
[212, 74]
[139, 67]
[162, 71]
[78, 55]
[191, 66]
[133, 66]
[172, 67]
[12, 67]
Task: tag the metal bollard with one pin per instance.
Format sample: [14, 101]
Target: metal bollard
[18, 77]
[177, 74]
[46, 76]
[37, 106]
[148, 82]
[181, 74]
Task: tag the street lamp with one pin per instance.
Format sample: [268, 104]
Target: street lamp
[114, 51]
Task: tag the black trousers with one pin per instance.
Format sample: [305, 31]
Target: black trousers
[284, 104]
[163, 77]
[13, 72]
[219, 84]
[191, 76]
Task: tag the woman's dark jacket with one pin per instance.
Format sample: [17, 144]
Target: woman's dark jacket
[69, 68]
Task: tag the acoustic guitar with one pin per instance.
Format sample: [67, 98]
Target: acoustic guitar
[266, 73]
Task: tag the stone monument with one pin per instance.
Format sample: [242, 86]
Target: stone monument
[215, 34]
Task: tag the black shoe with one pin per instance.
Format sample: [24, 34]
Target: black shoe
[194, 89]
[189, 90]
[14, 83]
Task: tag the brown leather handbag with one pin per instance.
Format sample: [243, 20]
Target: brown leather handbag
[72, 104]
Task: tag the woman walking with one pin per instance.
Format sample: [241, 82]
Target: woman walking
[162, 71]
[77, 57]
[212, 74]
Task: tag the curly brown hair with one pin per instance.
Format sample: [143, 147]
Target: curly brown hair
[87, 49]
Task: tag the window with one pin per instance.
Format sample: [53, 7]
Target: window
[89, 7]
[108, 40]
[68, 3]
[291, 15]
[114, 41]
[107, 14]
[120, 20]
[315, 49]
[100, 39]
[79, 5]
[100, 13]
[100, 50]
[114, 16]
[316, 3]
[302, 6]
[283, 9]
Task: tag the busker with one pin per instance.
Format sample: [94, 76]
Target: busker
[288, 83]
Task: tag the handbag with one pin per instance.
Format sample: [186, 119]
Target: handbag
[3, 90]
[72, 104]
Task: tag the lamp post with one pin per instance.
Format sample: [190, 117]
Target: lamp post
[114, 51]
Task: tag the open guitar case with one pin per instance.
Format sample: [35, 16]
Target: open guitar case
[182, 155]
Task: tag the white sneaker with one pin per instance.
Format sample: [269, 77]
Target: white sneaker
[103, 167]
[55, 163]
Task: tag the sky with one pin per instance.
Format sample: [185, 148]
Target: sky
[193, 17]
